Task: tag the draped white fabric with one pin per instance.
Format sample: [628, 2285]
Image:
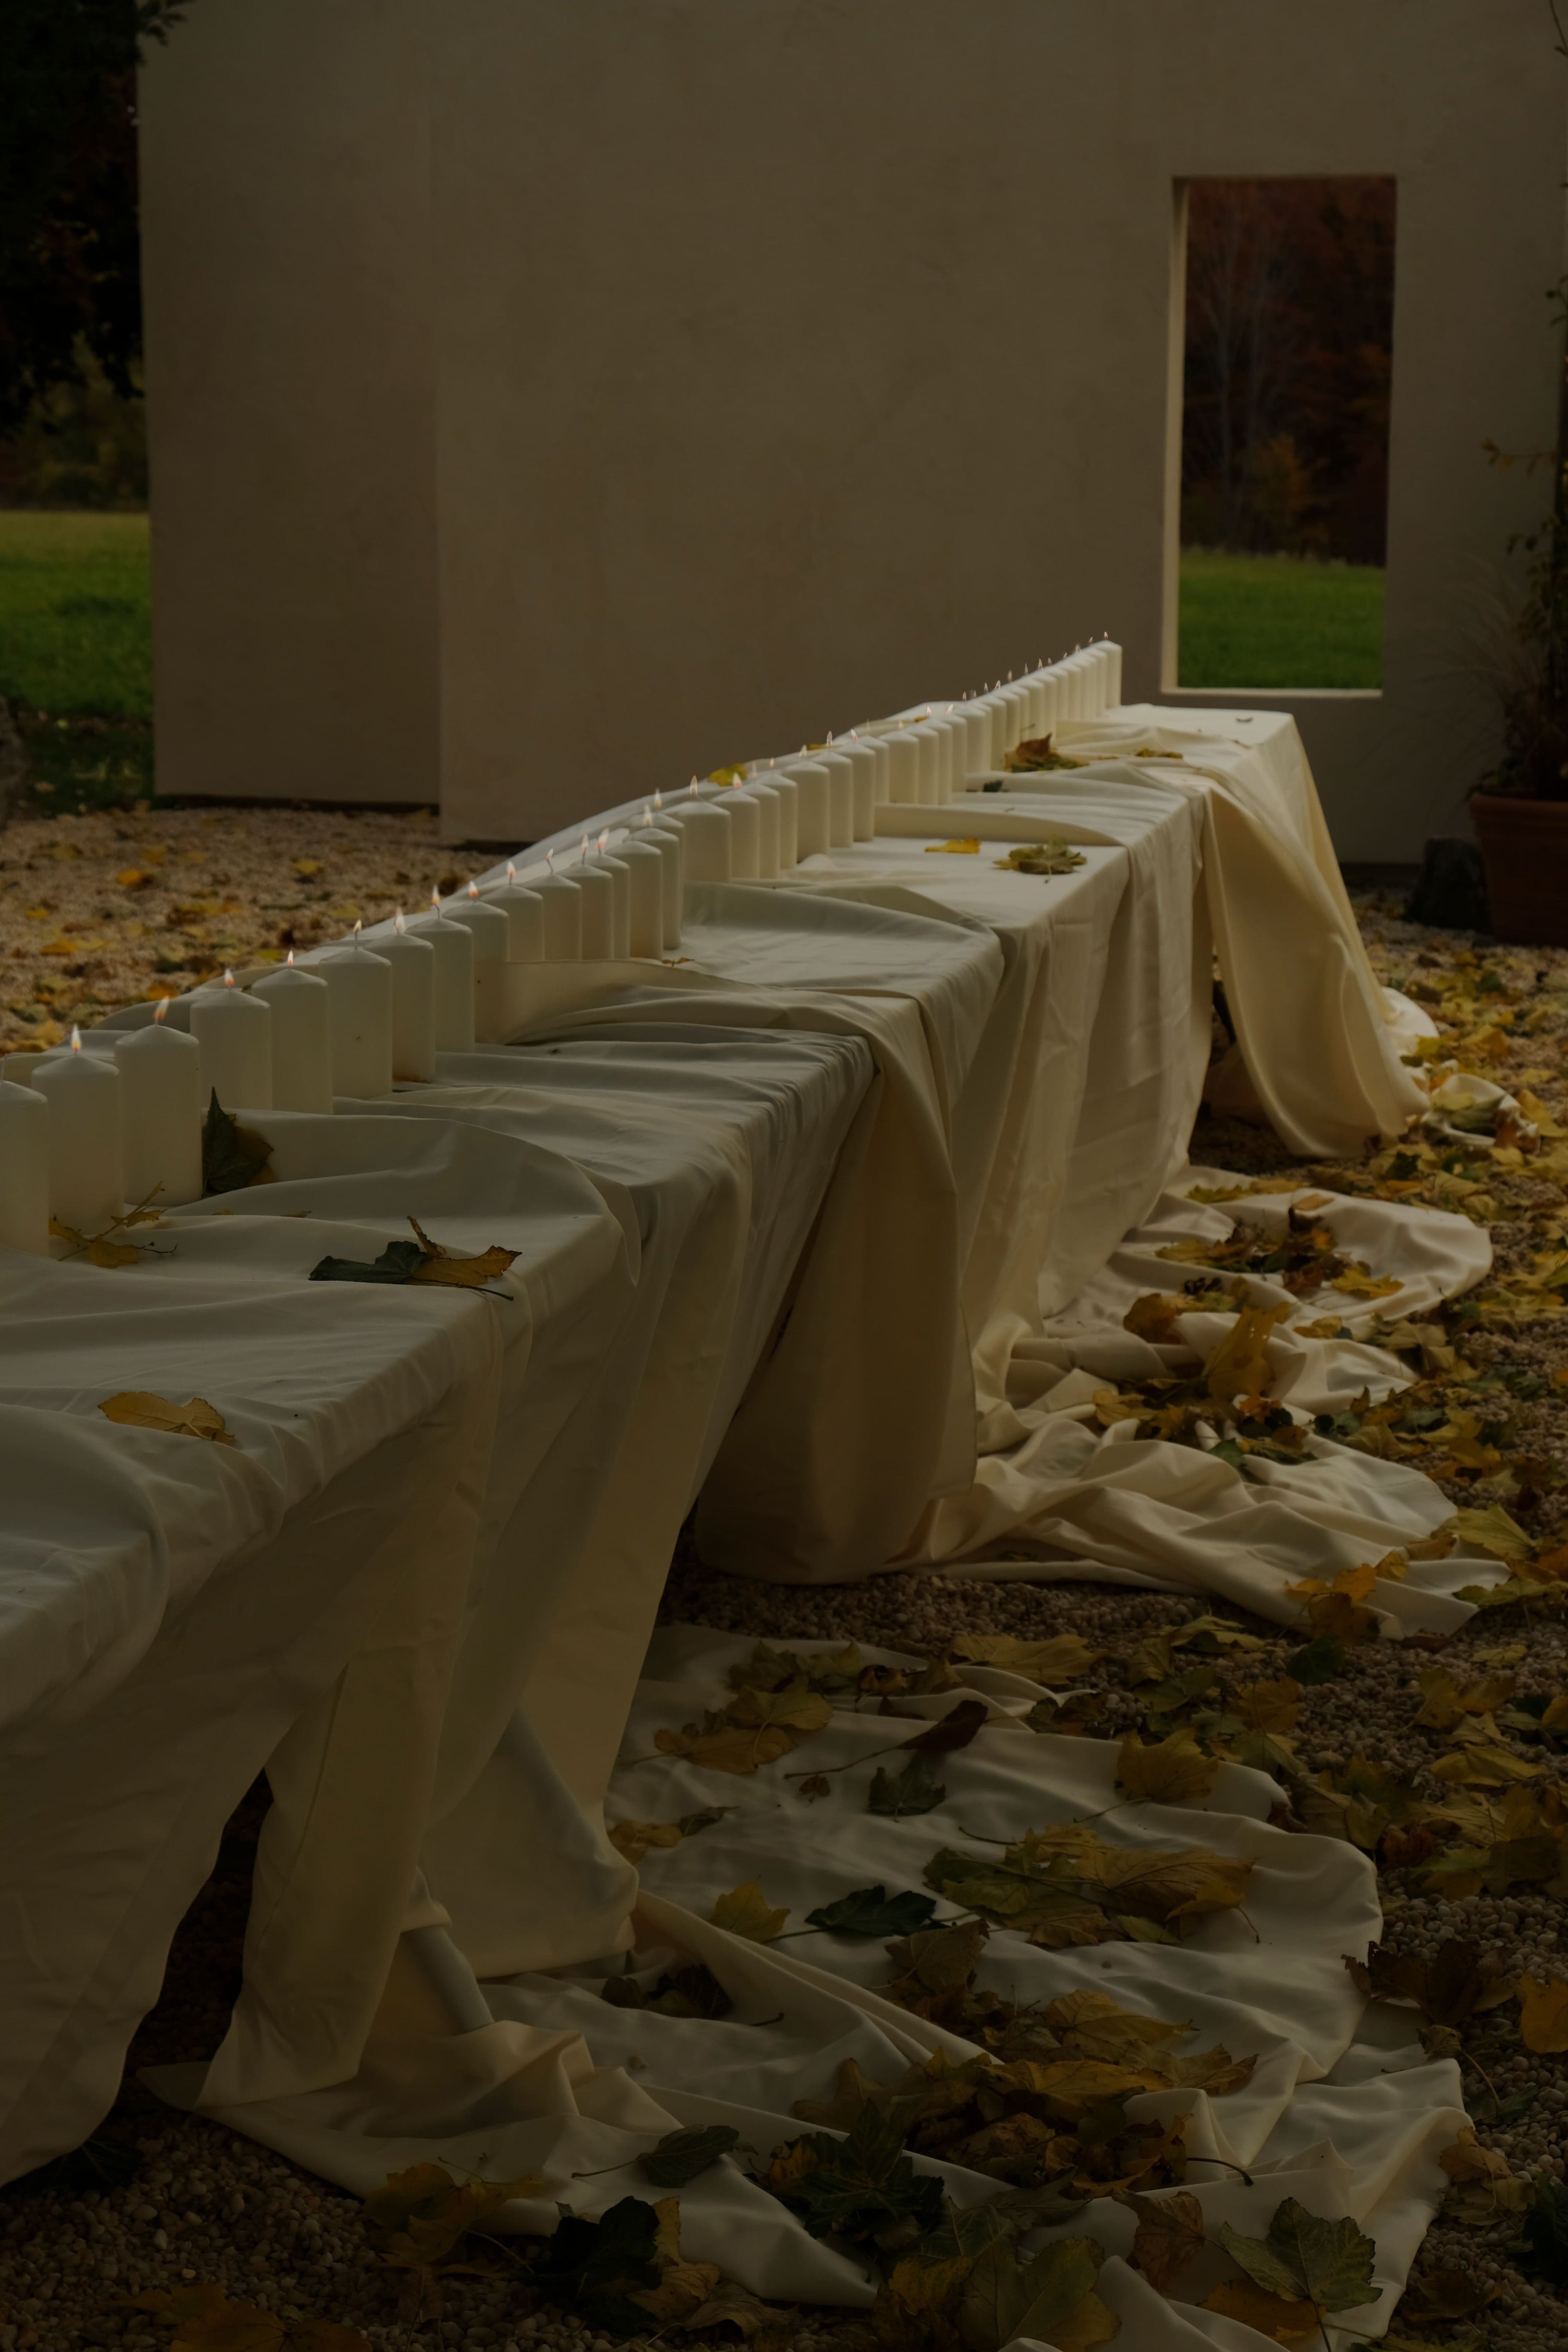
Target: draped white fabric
[826, 1229]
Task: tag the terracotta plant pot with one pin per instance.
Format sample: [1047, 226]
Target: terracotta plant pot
[1525, 845]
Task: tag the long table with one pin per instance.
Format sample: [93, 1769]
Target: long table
[789, 1218]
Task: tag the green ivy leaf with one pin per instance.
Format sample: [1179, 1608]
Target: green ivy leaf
[1306, 2258]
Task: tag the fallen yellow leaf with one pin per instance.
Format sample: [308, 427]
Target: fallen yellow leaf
[140, 1409]
[746, 1911]
[1543, 2013]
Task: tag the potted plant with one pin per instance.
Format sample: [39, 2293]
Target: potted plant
[1521, 809]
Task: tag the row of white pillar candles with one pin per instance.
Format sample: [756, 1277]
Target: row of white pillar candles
[89, 1132]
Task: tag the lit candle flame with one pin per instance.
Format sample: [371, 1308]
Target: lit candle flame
[227, 978]
[511, 869]
[647, 812]
[397, 922]
[75, 1038]
[603, 843]
[435, 897]
[289, 959]
[473, 889]
[549, 859]
[583, 852]
[159, 1010]
[691, 787]
[356, 927]
[658, 800]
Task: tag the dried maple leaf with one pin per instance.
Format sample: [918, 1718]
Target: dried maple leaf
[634, 1839]
[1169, 1772]
[1282, 2319]
[952, 848]
[140, 1409]
[1543, 2013]
[1169, 2238]
[746, 1911]
[1267, 1706]
[727, 1747]
[422, 2215]
[203, 2320]
[1059, 1660]
[1238, 1366]
[1052, 2298]
[1327, 2264]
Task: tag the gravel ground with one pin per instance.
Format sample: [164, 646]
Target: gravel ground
[206, 2206]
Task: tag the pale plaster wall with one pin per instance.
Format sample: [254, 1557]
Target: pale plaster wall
[548, 399]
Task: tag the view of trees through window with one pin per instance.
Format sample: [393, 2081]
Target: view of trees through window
[1289, 360]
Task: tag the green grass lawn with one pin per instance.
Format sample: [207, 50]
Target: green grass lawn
[1280, 620]
[76, 652]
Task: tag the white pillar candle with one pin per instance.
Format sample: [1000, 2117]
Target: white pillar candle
[24, 1169]
[599, 899]
[87, 1173]
[235, 1034]
[412, 965]
[1014, 701]
[903, 765]
[454, 946]
[161, 1108]
[783, 787]
[955, 736]
[1048, 705]
[976, 717]
[813, 808]
[360, 995]
[745, 833]
[302, 1038]
[670, 843]
[878, 747]
[862, 762]
[765, 801]
[491, 934]
[603, 859]
[928, 751]
[705, 839]
[1075, 671]
[1112, 656]
[524, 912]
[840, 796]
[561, 903]
[643, 863]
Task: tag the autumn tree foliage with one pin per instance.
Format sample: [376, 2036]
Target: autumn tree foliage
[1290, 320]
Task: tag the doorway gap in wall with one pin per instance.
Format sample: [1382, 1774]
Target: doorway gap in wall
[1287, 358]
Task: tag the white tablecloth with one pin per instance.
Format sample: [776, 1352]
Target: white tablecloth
[809, 1227]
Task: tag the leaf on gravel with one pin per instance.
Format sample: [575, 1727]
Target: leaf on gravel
[1328, 2264]
[680, 2156]
[872, 1911]
[1169, 1772]
[1053, 2298]
[1169, 2238]
[732, 2305]
[1267, 1705]
[594, 2267]
[232, 1156]
[205, 2320]
[1491, 1530]
[140, 1409]
[1238, 1366]
[1446, 1989]
[746, 1911]
[1321, 1660]
[1213, 1636]
[1278, 2317]
[422, 2215]
[915, 1790]
[1543, 2013]
[1484, 1766]
[1060, 1659]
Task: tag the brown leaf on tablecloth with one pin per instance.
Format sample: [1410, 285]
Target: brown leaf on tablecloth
[1166, 1773]
[1170, 2235]
[1275, 2316]
[440, 1264]
[1036, 754]
[634, 1839]
[140, 1409]
[232, 1156]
